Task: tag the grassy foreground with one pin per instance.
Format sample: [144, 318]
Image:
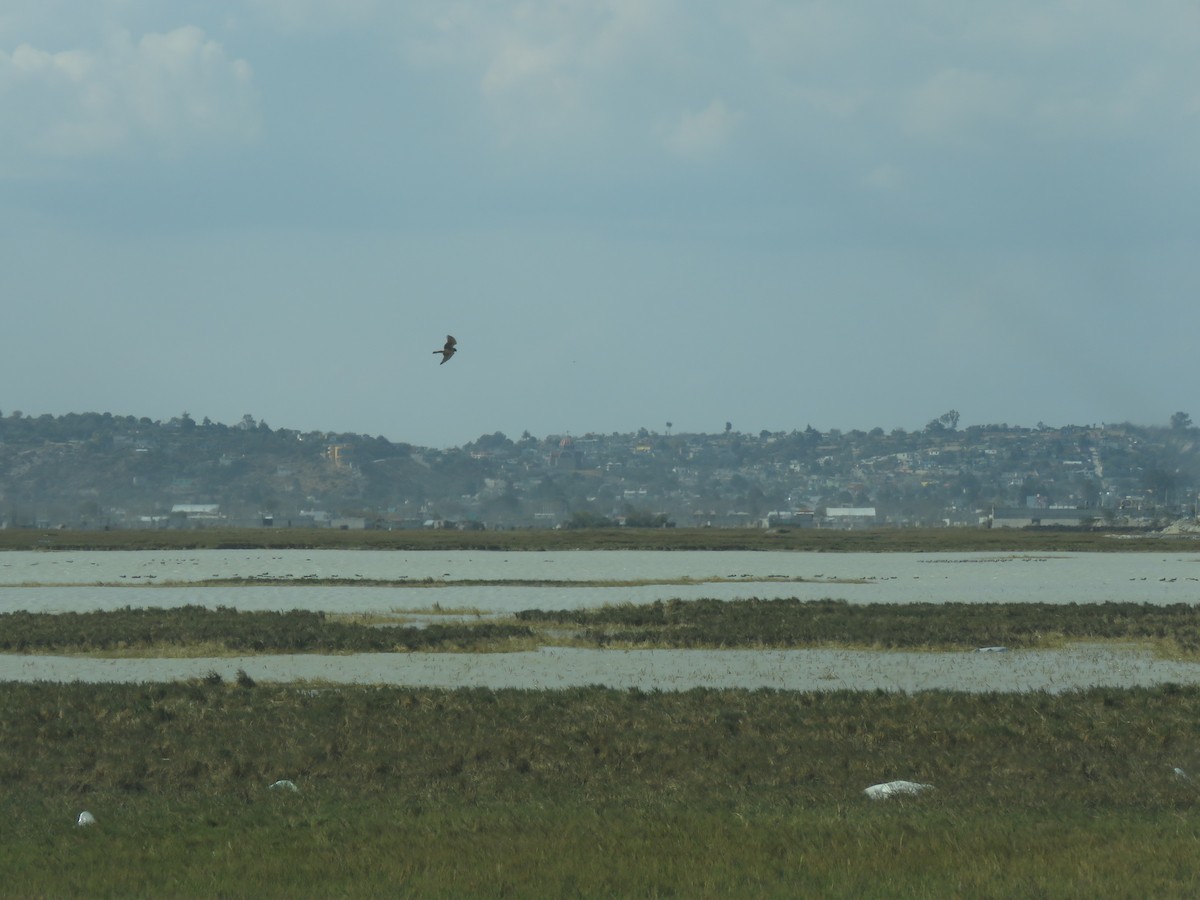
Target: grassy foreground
[594, 792]
[928, 540]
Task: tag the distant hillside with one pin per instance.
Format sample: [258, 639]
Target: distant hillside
[96, 470]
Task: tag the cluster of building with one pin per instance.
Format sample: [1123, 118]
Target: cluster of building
[113, 472]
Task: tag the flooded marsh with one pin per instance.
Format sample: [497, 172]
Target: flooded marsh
[789, 620]
[598, 724]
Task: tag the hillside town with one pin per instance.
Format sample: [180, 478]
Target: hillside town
[98, 470]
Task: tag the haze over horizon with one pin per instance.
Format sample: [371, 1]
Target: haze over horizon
[628, 213]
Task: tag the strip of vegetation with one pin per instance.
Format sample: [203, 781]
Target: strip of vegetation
[754, 623]
[150, 581]
[594, 792]
[135, 630]
[903, 626]
[810, 539]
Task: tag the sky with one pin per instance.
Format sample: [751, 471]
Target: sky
[629, 213]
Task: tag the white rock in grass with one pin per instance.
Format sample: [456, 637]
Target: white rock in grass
[85, 818]
[283, 785]
[895, 789]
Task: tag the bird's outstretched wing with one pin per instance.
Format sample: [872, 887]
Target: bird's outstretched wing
[448, 350]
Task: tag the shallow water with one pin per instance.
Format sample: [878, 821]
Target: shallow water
[66, 578]
[1080, 666]
[66, 583]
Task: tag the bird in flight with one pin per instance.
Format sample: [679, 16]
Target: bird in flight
[448, 350]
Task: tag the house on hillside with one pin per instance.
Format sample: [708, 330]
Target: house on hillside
[197, 513]
[1043, 517]
[795, 518]
[850, 516]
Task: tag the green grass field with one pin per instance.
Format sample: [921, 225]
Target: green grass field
[594, 792]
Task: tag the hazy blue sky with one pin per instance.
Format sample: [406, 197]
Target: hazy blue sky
[633, 212]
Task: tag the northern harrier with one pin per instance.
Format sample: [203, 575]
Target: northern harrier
[448, 350]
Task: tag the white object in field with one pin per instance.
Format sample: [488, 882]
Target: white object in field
[991, 650]
[283, 785]
[85, 818]
[1181, 775]
[895, 789]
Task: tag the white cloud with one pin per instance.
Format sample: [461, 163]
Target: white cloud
[812, 76]
[884, 177]
[317, 16]
[547, 72]
[797, 37]
[1134, 101]
[1054, 71]
[163, 93]
[519, 64]
[703, 133]
[954, 103]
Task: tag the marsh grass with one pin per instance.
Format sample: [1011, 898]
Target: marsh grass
[929, 540]
[358, 581]
[197, 630]
[595, 792]
[404, 616]
[1172, 631]
[783, 623]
